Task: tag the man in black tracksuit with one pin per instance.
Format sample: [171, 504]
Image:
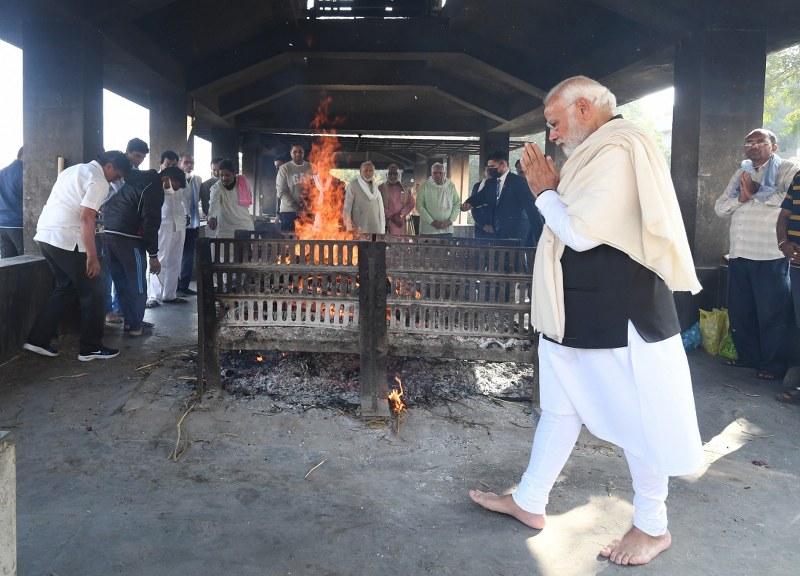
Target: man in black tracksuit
[132, 218]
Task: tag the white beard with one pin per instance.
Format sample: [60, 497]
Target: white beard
[579, 134]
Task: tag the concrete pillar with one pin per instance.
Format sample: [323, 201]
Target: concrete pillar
[719, 98]
[8, 505]
[421, 169]
[168, 125]
[459, 176]
[62, 65]
[269, 191]
[225, 144]
[492, 142]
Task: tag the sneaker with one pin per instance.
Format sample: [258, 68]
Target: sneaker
[102, 354]
[43, 350]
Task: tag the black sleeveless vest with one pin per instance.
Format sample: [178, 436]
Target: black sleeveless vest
[603, 289]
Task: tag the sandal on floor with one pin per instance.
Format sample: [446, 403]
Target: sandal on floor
[145, 326]
[151, 304]
[736, 364]
[789, 397]
[764, 375]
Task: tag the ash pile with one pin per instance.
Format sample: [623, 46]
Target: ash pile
[301, 380]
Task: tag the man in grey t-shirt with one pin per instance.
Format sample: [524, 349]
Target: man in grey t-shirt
[290, 184]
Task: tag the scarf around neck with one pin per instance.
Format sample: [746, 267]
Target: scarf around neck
[644, 219]
[371, 194]
[770, 173]
[445, 199]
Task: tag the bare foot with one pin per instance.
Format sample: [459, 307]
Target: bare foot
[636, 547]
[506, 505]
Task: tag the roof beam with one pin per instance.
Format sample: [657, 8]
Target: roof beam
[401, 76]
[390, 124]
[125, 11]
[652, 16]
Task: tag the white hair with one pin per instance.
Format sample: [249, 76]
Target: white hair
[576, 87]
[435, 164]
[367, 163]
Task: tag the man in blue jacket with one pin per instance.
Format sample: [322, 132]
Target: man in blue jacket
[11, 209]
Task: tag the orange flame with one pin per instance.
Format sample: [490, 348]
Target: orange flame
[259, 358]
[324, 193]
[395, 402]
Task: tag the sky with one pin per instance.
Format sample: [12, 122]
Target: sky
[10, 102]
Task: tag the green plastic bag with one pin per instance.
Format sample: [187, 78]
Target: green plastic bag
[728, 350]
[714, 328]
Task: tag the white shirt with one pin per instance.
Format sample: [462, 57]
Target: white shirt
[79, 186]
[175, 209]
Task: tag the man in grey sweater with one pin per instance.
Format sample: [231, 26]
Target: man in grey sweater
[290, 183]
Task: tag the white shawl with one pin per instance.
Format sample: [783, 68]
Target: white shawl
[365, 187]
[618, 191]
[374, 196]
[445, 199]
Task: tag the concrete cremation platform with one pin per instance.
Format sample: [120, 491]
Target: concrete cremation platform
[262, 491]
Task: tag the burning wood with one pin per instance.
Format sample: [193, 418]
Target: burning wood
[396, 404]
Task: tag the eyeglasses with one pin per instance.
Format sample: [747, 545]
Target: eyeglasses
[554, 126]
[754, 144]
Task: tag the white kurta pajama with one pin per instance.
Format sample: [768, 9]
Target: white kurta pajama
[362, 210]
[171, 236]
[615, 189]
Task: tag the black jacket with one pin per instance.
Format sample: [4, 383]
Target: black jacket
[482, 213]
[515, 215]
[603, 289]
[136, 209]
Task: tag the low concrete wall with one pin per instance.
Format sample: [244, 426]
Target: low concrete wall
[25, 282]
[8, 506]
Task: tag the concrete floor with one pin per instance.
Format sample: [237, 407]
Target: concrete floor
[98, 494]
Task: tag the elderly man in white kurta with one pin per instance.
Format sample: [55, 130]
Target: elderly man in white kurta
[611, 356]
[438, 204]
[362, 212]
[171, 236]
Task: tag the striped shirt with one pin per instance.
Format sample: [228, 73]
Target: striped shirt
[792, 202]
[753, 223]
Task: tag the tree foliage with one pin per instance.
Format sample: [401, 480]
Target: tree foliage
[782, 97]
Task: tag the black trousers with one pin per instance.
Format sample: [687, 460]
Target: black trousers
[69, 272]
[10, 242]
